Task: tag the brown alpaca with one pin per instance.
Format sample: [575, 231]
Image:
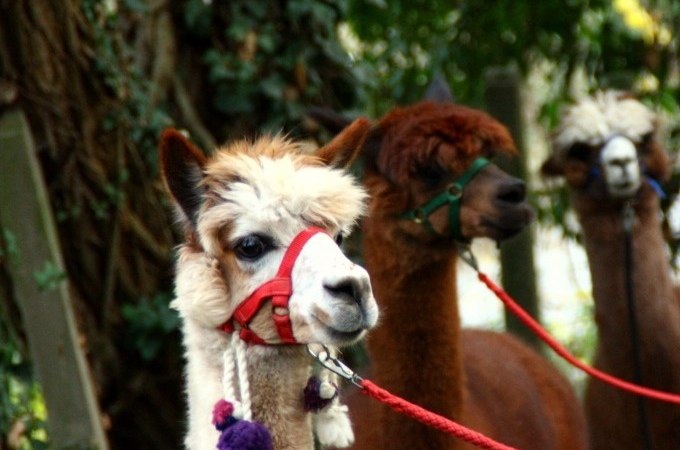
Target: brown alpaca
[488, 381]
[242, 210]
[616, 135]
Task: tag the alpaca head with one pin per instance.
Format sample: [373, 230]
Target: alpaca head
[241, 208]
[415, 153]
[605, 147]
[419, 151]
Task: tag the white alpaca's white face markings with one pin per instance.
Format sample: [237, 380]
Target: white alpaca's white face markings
[620, 166]
[251, 221]
[610, 126]
[332, 298]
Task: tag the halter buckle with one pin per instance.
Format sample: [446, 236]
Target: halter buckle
[333, 364]
[465, 253]
[455, 191]
[419, 216]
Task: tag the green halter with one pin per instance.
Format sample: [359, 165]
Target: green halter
[451, 195]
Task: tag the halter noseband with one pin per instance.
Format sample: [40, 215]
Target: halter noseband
[451, 195]
[278, 290]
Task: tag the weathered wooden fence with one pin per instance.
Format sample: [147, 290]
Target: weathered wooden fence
[42, 293]
[518, 272]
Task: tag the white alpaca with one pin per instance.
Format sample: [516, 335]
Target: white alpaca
[240, 209]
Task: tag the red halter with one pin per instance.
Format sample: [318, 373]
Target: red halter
[278, 289]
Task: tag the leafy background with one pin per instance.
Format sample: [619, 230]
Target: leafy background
[226, 69]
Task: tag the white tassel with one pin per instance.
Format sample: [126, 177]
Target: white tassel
[333, 427]
[327, 390]
[331, 424]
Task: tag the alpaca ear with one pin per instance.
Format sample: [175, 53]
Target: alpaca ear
[656, 161]
[341, 151]
[551, 167]
[182, 170]
[438, 91]
[329, 119]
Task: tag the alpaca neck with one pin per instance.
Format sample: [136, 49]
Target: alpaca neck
[655, 305]
[277, 377]
[416, 290]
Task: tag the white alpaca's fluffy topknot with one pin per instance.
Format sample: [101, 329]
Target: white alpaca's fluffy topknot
[595, 119]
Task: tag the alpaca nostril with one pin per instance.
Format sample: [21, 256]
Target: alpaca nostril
[513, 191]
[348, 288]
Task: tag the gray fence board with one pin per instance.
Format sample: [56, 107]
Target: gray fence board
[37, 272]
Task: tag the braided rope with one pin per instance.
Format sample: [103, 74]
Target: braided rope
[235, 370]
[242, 367]
[558, 348]
[429, 418]
[228, 372]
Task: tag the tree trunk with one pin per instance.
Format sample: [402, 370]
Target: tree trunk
[518, 273]
[113, 227]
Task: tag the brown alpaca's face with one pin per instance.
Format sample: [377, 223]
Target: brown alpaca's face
[606, 151]
[494, 206]
[241, 210]
[422, 149]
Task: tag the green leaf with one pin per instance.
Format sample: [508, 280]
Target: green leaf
[149, 322]
[273, 87]
[49, 277]
[233, 101]
[669, 103]
[136, 5]
[197, 16]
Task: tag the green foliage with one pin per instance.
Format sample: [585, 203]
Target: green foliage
[149, 324]
[552, 208]
[266, 61]
[22, 412]
[404, 43]
[580, 338]
[142, 120]
[459, 40]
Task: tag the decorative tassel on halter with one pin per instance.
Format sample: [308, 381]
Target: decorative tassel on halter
[231, 417]
[330, 419]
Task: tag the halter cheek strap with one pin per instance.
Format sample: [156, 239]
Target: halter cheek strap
[277, 290]
[451, 195]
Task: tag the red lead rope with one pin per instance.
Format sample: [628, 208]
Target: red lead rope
[429, 418]
[564, 353]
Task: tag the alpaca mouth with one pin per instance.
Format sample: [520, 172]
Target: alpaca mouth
[623, 189]
[501, 232]
[344, 336]
[509, 224]
[337, 335]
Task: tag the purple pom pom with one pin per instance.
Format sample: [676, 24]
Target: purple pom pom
[244, 435]
[313, 400]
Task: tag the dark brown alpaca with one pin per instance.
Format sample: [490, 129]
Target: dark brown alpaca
[592, 131]
[488, 381]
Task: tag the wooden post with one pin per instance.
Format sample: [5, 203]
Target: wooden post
[38, 276]
[518, 273]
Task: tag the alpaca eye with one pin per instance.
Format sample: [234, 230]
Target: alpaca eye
[252, 247]
[580, 151]
[339, 238]
[432, 175]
